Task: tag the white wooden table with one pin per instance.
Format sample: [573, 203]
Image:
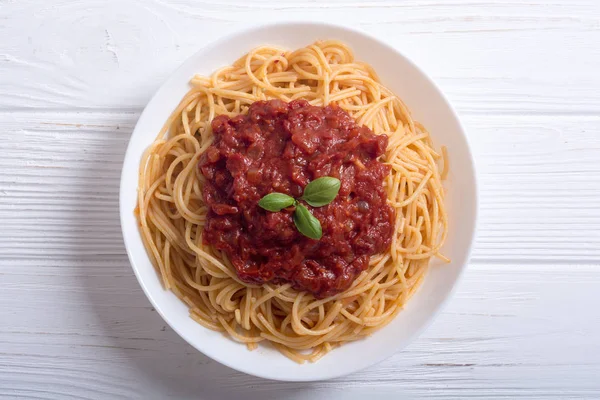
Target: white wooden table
[525, 77]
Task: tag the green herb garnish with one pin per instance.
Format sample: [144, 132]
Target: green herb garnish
[306, 223]
[317, 193]
[322, 191]
[276, 201]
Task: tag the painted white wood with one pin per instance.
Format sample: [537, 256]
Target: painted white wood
[525, 320]
[523, 57]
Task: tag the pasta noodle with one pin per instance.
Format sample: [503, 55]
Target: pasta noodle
[171, 212]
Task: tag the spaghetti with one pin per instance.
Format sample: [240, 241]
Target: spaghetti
[172, 214]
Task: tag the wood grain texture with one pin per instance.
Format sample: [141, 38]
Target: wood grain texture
[524, 322]
[489, 56]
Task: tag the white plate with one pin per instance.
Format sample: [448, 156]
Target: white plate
[428, 105]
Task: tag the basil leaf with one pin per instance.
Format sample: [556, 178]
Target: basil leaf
[306, 223]
[322, 191]
[276, 201]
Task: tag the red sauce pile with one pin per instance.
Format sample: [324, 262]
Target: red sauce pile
[281, 147]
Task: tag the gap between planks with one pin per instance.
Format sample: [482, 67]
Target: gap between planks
[137, 111]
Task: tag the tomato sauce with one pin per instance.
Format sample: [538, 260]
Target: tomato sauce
[281, 147]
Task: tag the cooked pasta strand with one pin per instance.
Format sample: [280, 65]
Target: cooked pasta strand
[172, 214]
